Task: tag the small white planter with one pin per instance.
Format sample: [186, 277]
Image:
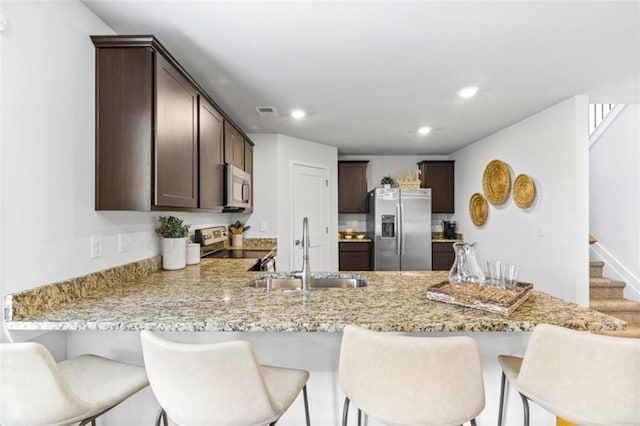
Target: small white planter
[236, 240]
[174, 253]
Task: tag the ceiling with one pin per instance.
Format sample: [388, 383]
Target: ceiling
[370, 73]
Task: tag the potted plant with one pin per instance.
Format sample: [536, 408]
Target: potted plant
[387, 181]
[236, 230]
[174, 235]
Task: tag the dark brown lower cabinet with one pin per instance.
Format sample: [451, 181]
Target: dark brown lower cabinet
[442, 256]
[355, 256]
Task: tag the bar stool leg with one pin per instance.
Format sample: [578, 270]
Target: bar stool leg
[161, 417]
[525, 408]
[345, 411]
[306, 404]
[359, 417]
[502, 386]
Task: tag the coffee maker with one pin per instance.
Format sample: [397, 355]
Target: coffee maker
[449, 230]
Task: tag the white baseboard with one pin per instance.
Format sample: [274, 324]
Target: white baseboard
[617, 270]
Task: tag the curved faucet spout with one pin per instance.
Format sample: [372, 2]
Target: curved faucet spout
[305, 273]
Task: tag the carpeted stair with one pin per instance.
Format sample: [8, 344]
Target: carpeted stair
[606, 295]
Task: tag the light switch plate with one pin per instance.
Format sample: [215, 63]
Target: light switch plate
[96, 246]
[126, 243]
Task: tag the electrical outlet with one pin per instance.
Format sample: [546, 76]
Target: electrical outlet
[541, 231]
[126, 243]
[263, 226]
[96, 246]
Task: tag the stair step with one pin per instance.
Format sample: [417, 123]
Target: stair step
[615, 305]
[632, 330]
[595, 268]
[605, 282]
[626, 310]
[605, 288]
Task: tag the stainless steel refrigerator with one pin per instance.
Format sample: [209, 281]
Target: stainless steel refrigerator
[400, 220]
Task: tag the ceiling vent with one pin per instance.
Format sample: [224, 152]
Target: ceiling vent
[267, 111]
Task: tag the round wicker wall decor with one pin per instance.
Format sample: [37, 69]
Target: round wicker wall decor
[524, 191]
[496, 182]
[478, 209]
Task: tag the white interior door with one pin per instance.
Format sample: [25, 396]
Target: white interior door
[310, 198]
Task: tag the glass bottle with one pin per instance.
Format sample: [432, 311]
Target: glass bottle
[465, 268]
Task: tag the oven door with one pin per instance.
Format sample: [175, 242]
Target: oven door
[238, 188]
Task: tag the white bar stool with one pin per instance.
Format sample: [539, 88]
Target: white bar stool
[585, 378]
[404, 380]
[218, 383]
[34, 390]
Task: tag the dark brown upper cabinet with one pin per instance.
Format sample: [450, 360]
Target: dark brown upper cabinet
[176, 138]
[352, 186]
[210, 135]
[439, 176]
[233, 146]
[160, 138]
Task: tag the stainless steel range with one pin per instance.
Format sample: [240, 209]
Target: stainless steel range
[212, 246]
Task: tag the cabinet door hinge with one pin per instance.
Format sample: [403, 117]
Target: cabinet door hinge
[326, 183]
[326, 230]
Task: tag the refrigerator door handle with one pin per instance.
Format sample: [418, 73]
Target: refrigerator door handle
[398, 230]
[401, 228]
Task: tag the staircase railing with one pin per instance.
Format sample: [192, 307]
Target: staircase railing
[600, 117]
[597, 114]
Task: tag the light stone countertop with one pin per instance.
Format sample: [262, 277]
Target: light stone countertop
[213, 296]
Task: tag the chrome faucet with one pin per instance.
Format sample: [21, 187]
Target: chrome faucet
[305, 274]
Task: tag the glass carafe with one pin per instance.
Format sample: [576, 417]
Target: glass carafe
[465, 268]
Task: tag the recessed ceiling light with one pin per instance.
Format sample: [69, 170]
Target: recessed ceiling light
[298, 113]
[425, 130]
[468, 92]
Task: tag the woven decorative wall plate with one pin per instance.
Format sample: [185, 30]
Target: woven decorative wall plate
[478, 209]
[524, 191]
[496, 182]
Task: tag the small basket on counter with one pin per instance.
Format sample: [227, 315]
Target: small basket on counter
[483, 297]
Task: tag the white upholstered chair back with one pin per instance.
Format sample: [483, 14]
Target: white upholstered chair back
[197, 384]
[585, 378]
[412, 380]
[32, 390]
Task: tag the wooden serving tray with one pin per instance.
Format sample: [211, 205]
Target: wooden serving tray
[482, 297]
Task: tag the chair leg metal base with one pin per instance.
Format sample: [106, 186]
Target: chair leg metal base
[500, 410]
[162, 417]
[525, 409]
[345, 411]
[306, 405]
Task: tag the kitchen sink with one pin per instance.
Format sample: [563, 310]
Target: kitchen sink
[318, 281]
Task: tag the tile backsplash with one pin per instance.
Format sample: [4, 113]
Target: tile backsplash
[355, 221]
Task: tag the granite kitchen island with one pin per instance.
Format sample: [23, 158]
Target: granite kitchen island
[211, 302]
[214, 296]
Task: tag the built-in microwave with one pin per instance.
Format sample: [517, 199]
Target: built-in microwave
[238, 188]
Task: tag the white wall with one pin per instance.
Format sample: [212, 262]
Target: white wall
[265, 184]
[548, 240]
[47, 186]
[614, 202]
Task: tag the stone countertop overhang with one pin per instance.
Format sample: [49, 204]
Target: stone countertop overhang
[214, 296]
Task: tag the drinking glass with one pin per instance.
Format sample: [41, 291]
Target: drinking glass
[511, 275]
[496, 273]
